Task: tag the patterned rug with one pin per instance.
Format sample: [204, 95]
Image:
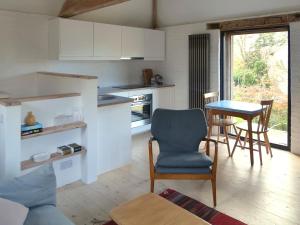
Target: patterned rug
[199, 209]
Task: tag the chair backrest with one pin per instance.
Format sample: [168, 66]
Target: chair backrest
[265, 116]
[178, 130]
[211, 97]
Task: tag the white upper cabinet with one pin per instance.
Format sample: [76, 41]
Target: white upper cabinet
[81, 40]
[132, 42]
[107, 41]
[71, 39]
[154, 45]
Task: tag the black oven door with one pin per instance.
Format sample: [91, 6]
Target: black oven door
[141, 113]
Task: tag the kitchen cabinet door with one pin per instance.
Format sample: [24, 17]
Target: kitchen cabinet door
[107, 41]
[164, 98]
[76, 38]
[114, 140]
[132, 42]
[154, 45]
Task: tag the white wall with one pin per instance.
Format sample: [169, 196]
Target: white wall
[176, 66]
[24, 50]
[295, 86]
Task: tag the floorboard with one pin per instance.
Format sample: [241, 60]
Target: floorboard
[262, 195]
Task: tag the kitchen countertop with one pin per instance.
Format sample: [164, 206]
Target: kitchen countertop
[109, 90]
[116, 100]
[120, 100]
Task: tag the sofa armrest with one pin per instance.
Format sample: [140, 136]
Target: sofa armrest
[31, 190]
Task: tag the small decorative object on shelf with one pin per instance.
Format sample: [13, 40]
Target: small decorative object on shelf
[75, 147]
[31, 129]
[65, 150]
[30, 119]
[27, 164]
[41, 157]
[158, 80]
[147, 75]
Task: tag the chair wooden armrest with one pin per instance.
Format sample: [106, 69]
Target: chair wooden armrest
[151, 140]
[215, 162]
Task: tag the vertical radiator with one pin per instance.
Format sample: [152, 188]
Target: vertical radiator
[199, 63]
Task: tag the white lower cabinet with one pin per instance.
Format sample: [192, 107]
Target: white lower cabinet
[114, 140]
[164, 98]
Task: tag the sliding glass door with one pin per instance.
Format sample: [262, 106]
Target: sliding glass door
[255, 67]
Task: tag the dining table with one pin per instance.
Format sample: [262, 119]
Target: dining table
[229, 108]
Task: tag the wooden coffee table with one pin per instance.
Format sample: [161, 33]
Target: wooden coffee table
[151, 209]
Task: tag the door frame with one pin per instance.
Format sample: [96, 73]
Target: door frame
[222, 73]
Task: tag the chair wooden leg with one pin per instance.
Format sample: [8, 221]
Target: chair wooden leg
[214, 190]
[235, 130]
[268, 143]
[236, 142]
[259, 148]
[245, 141]
[218, 137]
[152, 184]
[227, 140]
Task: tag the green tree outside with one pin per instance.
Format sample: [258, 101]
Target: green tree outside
[260, 71]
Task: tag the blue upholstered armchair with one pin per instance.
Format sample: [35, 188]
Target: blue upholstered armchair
[179, 133]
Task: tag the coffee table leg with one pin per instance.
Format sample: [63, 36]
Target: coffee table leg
[249, 120]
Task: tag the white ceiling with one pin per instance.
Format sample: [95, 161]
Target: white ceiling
[173, 12]
[134, 13]
[45, 7]
[170, 12]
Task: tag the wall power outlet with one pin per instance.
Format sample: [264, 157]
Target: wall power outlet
[66, 164]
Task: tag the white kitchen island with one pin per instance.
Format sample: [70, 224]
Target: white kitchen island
[114, 134]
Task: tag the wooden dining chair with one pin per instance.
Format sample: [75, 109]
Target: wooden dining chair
[219, 122]
[260, 128]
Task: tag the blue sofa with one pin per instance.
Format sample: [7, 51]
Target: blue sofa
[37, 191]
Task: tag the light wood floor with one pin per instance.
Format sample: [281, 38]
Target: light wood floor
[260, 195]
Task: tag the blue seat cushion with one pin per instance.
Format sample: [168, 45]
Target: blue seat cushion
[164, 170]
[183, 160]
[46, 215]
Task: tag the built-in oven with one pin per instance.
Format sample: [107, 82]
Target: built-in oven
[141, 110]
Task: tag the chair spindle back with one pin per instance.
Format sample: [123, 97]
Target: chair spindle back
[265, 116]
[210, 97]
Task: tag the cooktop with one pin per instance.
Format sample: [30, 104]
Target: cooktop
[131, 86]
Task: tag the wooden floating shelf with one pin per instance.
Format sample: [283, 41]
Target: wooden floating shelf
[67, 75]
[56, 129]
[27, 164]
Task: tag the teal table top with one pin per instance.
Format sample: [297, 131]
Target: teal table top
[235, 106]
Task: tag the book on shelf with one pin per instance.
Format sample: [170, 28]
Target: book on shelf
[29, 132]
[65, 150]
[25, 127]
[33, 129]
[69, 149]
[75, 147]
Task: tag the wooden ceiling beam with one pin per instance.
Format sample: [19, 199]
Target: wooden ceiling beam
[253, 23]
[76, 7]
[154, 14]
